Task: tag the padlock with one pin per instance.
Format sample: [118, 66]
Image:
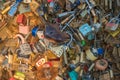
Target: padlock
[58, 51]
[39, 46]
[34, 6]
[115, 33]
[83, 13]
[21, 19]
[73, 75]
[24, 8]
[39, 61]
[13, 9]
[90, 55]
[19, 75]
[101, 64]
[25, 49]
[23, 28]
[6, 10]
[23, 68]
[56, 62]
[105, 76]
[85, 29]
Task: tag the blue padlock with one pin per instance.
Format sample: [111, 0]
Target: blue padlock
[13, 9]
[35, 30]
[73, 75]
[100, 51]
[85, 29]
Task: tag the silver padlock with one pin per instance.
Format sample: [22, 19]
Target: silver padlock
[24, 48]
[58, 50]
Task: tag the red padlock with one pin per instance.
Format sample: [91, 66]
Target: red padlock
[21, 19]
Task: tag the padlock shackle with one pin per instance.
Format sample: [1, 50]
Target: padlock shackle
[71, 38]
[21, 37]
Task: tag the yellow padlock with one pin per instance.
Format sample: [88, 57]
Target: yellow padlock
[115, 33]
[90, 55]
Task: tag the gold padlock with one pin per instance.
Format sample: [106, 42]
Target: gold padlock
[115, 33]
[90, 55]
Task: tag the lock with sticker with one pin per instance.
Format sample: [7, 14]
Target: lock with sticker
[113, 23]
[85, 29]
[40, 61]
[25, 49]
[91, 54]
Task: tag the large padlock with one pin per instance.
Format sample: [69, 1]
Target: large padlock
[25, 49]
[23, 27]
